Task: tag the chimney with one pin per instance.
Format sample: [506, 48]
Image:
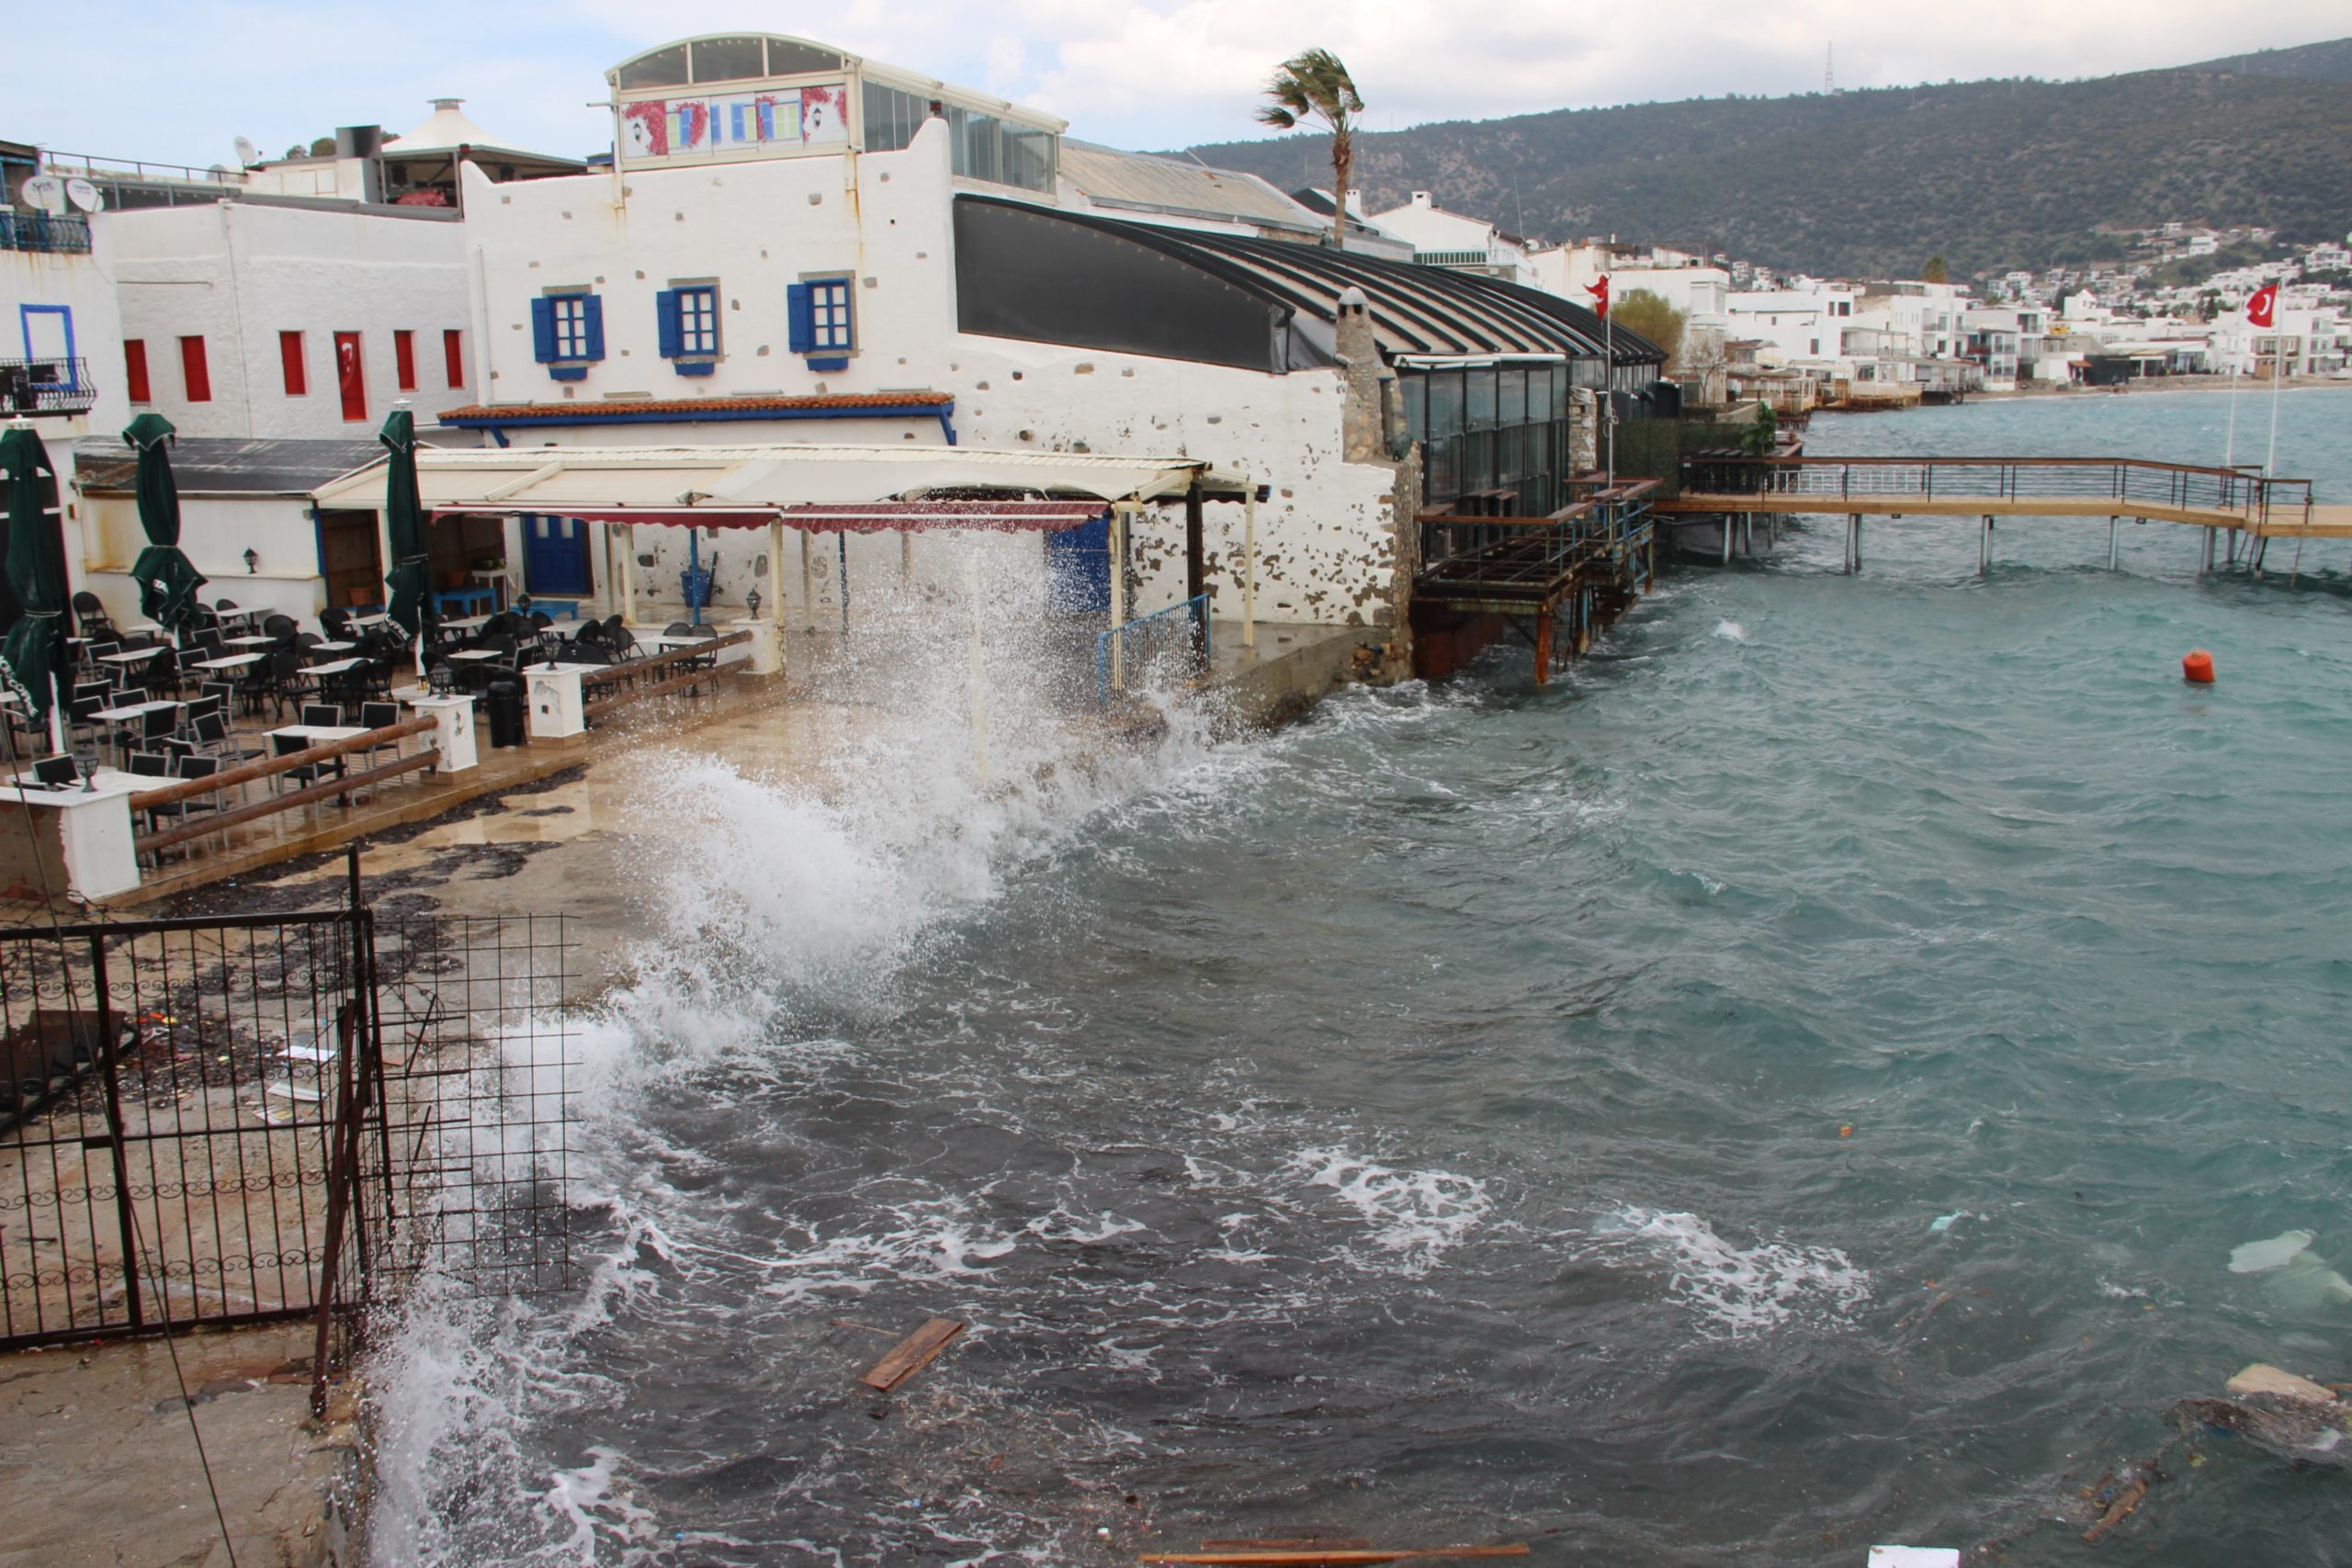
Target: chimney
[1355, 204]
[1422, 199]
[1364, 437]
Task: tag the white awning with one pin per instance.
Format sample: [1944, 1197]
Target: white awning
[669, 484]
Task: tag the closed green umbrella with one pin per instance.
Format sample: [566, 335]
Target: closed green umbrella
[34, 649]
[167, 579]
[404, 522]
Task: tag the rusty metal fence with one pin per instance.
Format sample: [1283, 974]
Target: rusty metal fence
[242, 1118]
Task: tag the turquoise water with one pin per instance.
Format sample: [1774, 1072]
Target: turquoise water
[1795, 1082]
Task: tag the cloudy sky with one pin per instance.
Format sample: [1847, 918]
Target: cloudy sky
[180, 80]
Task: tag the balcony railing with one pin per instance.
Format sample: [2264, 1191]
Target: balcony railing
[42, 231]
[46, 387]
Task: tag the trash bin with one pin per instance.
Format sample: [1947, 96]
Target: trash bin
[502, 705]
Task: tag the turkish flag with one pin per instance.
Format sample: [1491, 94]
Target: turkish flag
[1600, 292]
[2263, 303]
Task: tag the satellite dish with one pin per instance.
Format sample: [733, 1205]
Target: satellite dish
[247, 154]
[45, 192]
[84, 195]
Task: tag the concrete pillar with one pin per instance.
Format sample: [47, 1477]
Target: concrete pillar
[454, 736]
[78, 840]
[555, 710]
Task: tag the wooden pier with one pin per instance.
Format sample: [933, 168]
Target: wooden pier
[1553, 579]
[2250, 509]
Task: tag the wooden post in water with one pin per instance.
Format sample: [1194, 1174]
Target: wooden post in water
[2112, 545]
[1729, 522]
[1543, 644]
[1985, 547]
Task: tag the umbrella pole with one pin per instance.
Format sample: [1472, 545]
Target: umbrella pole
[56, 718]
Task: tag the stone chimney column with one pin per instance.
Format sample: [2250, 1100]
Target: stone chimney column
[1364, 436]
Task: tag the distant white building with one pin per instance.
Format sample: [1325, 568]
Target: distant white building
[1440, 238]
[1794, 324]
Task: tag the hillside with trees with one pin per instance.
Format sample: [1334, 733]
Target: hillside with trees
[1989, 176]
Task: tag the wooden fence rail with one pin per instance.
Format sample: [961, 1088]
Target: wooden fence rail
[270, 767]
[290, 800]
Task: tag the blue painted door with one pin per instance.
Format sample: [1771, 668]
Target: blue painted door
[555, 557]
[1078, 563]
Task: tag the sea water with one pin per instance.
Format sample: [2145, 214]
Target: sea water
[1799, 1080]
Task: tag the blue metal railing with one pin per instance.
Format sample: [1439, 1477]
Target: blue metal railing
[42, 231]
[1161, 627]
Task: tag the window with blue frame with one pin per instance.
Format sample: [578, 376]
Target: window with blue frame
[823, 323]
[687, 319]
[568, 332]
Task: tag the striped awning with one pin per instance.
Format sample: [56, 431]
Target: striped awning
[1005, 513]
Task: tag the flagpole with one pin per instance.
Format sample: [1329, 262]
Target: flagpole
[1609, 377]
[2278, 374]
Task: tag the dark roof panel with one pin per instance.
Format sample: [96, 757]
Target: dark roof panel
[1414, 310]
[106, 464]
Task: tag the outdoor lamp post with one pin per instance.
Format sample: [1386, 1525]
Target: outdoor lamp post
[751, 603]
[253, 560]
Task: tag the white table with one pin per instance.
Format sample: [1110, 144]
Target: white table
[233, 615]
[331, 645]
[134, 656]
[230, 661]
[378, 619]
[336, 666]
[250, 641]
[144, 628]
[667, 640]
[466, 624]
[473, 655]
[320, 734]
[130, 711]
[85, 834]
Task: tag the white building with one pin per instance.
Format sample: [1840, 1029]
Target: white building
[61, 336]
[803, 246]
[277, 318]
[1806, 322]
[1440, 238]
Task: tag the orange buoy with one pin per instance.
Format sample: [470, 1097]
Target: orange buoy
[2197, 667]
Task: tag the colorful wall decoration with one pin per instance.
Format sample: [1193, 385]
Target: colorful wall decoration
[796, 116]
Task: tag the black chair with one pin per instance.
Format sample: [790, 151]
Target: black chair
[309, 772]
[380, 715]
[253, 684]
[56, 772]
[289, 681]
[90, 615]
[321, 716]
[162, 673]
[187, 766]
[280, 629]
[212, 735]
[222, 691]
[150, 765]
[337, 623]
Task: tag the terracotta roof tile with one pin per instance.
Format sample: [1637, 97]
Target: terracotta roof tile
[524, 414]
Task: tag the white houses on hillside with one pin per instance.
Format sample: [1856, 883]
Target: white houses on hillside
[1440, 238]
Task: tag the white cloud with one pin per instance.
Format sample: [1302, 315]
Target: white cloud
[1136, 72]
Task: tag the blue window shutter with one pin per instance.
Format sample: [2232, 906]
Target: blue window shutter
[592, 320]
[665, 321]
[696, 367]
[804, 325]
[543, 328]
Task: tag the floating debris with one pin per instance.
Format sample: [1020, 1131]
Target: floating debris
[912, 1354]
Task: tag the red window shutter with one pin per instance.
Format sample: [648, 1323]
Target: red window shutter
[453, 357]
[349, 378]
[134, 370]
[404, 357]
[289, 355]
[194, 371]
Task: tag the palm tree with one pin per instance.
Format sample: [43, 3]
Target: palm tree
[1315, 86]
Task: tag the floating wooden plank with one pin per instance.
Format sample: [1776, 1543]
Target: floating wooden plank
[1334, 1557]
[912, 1354]
[1294, 1542]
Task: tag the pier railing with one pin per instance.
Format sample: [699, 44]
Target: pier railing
[2123, 482]
[1178, 634]
[1503, 561]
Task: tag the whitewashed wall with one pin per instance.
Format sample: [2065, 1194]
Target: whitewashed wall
[215, 534]
[240, 273]
[81, 282]
[1325, 538]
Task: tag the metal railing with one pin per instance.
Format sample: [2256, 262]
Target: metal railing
[218, 1121]
[2121, 481]
[1173, 642]
[1602, 537]
[43, 231]
[46, 386]
[93, 167]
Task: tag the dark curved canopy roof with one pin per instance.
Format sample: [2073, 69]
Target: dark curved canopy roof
[1415, 310]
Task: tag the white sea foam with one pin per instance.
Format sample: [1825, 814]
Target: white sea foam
[772, 902]
[1736, 1290]
[1731, 631]
[1414, 1217]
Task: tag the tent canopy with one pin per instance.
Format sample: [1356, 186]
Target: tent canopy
[803, 487]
